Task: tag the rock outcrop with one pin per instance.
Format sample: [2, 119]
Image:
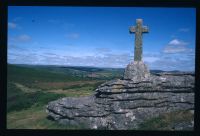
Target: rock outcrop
[136, 71]
[124, 104]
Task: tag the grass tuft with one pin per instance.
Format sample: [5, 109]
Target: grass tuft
[167, 121]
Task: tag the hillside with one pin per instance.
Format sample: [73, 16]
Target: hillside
[30, 88]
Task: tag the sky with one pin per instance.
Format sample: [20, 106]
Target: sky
[99, 36]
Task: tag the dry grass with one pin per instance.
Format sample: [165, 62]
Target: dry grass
[33, 118]
[25, 89]
[27, 119]
[75, 92]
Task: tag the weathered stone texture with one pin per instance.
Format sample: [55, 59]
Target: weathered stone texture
[138, 30]
[123, 104]
[136, 71]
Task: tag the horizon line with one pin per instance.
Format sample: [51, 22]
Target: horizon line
[90, 66]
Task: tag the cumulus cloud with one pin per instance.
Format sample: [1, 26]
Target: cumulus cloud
[170, 61]
[155, 60]
[12, 25]
[160, 61]
[174, 63]
[177, 46]
[59, 58]
[172, 49]
[177, 42]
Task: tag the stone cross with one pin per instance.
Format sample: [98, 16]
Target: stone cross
[138, 30]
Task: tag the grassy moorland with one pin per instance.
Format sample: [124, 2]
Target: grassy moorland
[30, 88]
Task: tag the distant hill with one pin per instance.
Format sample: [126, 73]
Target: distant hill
[32, 74]
[174, 72]
[65, 73]
[75, 72]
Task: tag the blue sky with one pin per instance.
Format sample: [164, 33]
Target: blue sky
[99, 36]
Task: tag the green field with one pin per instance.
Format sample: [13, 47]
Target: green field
[30, 88]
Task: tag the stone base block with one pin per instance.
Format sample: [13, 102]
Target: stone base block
[136, 71]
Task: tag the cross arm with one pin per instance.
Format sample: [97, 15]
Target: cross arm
[145, 29]
[132, 29]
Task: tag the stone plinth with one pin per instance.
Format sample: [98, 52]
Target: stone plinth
[136, 71]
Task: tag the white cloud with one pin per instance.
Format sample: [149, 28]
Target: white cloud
[177, 42]
[60, 58]
[177, 46]
[12, 25]
[49, 57]
[46, 56]
[174, 64]
[174, 59]
[181, 49]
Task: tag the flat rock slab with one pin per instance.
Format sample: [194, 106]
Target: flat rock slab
[124, 104]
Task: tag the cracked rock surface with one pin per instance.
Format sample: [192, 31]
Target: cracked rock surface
[123, 104]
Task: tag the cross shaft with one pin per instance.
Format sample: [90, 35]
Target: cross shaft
[138, 30]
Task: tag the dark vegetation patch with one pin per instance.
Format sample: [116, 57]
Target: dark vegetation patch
[18, 100]
[87, 69]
